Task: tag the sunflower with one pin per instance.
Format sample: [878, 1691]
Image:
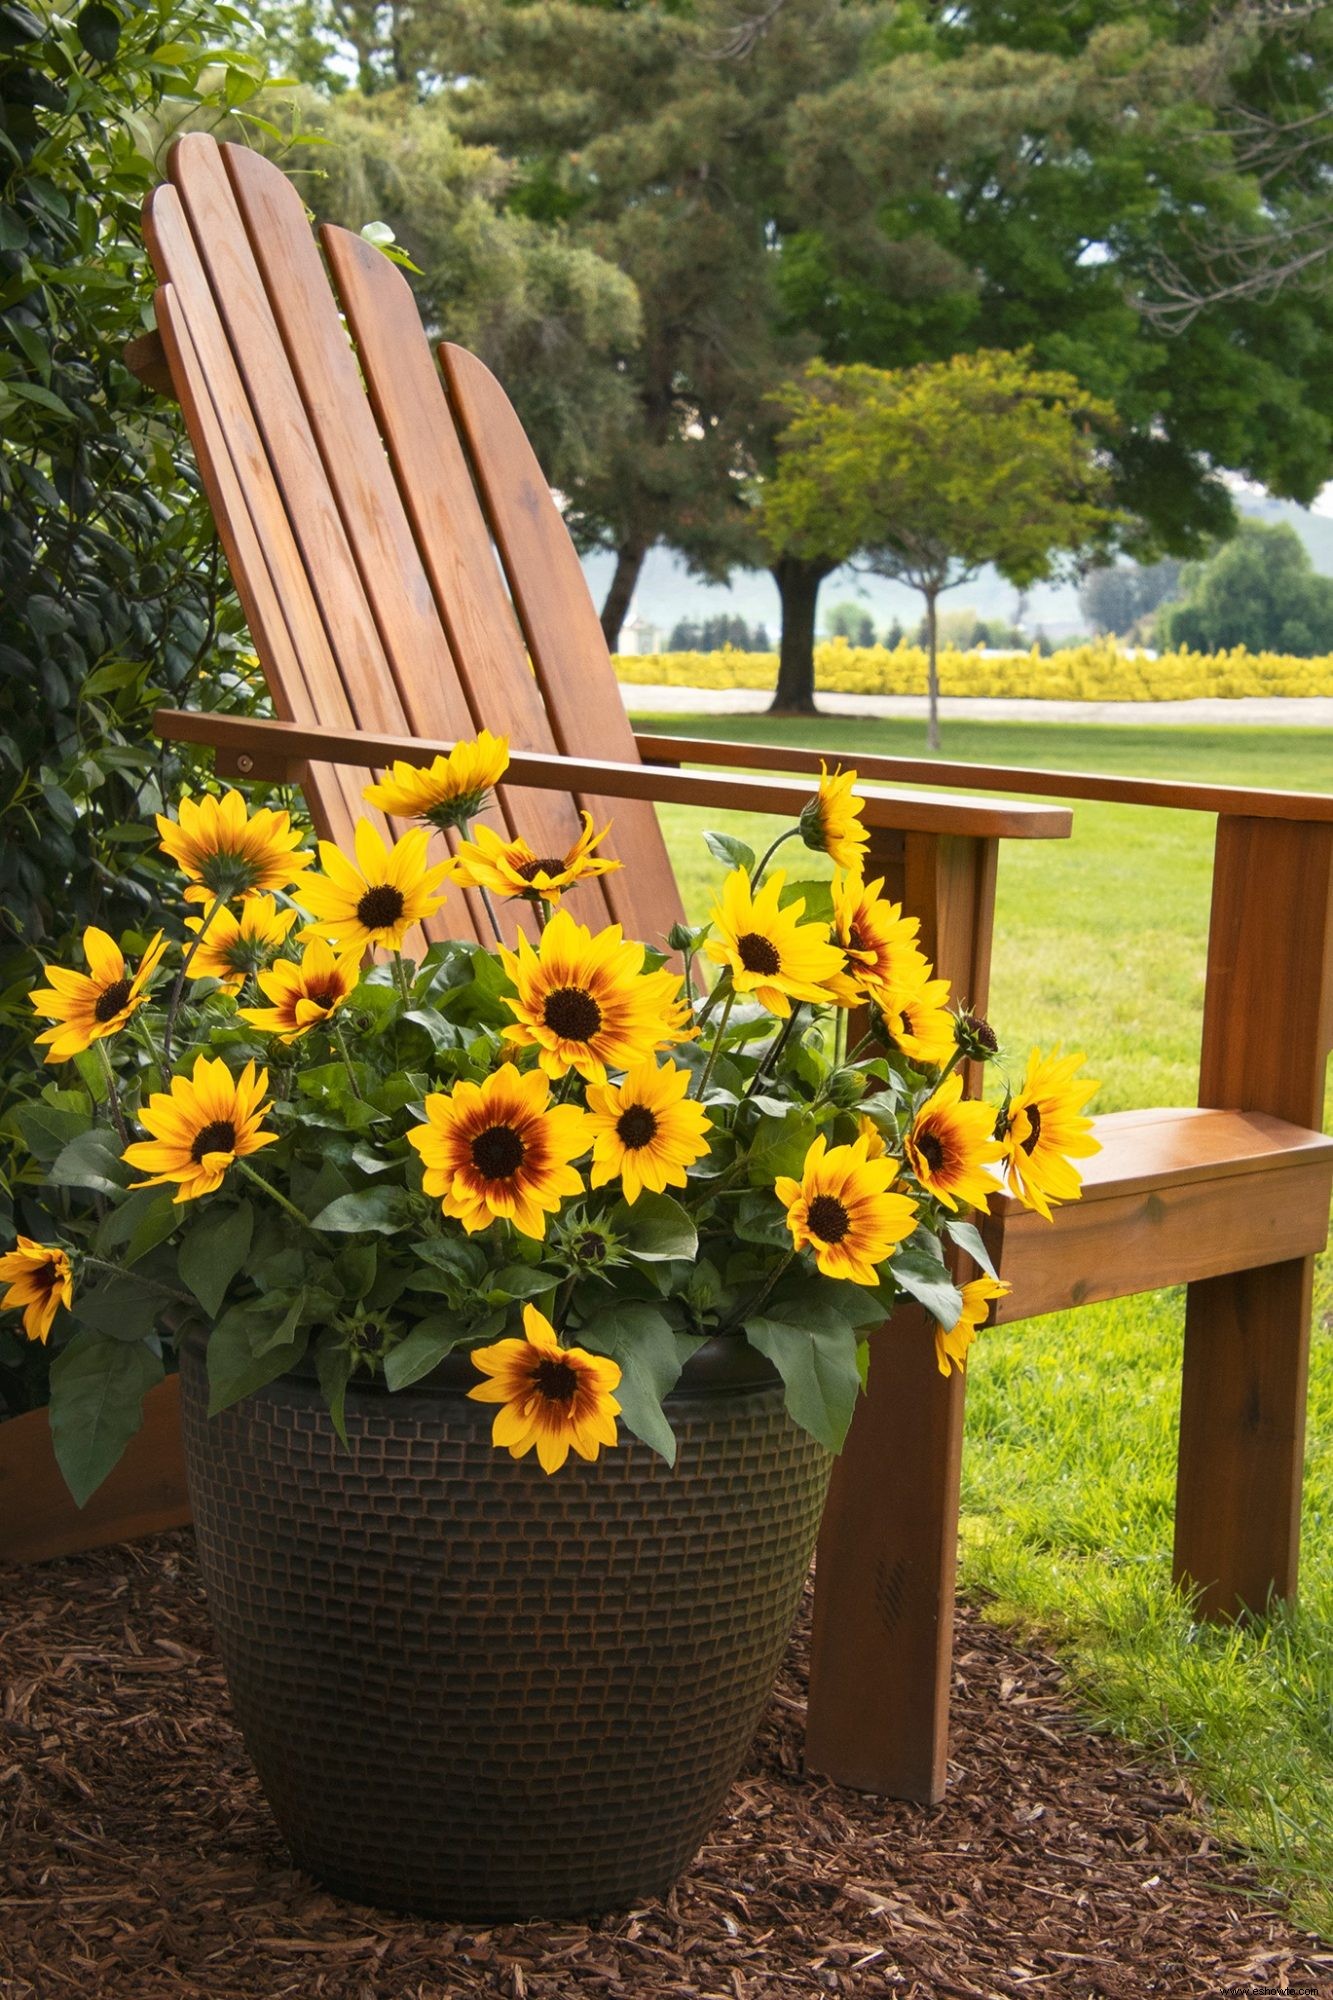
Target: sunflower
[237, 946]
[769, 951]
[841, 1209]
[304, 995]
[40, 1281]
[550, 1396]
[510, 868]
[449, 792]
[226, 852]
[831, 823]
[952, 1342]
[200, 1127]
[950, 1145]
[917, 1019]
[646, 1130]
[878, 943]
[499, 1148]
[1041, 1126]
[393, 891]
[88, 1005]
[586, 1001]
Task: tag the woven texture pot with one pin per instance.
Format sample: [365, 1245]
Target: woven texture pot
[475, 1692]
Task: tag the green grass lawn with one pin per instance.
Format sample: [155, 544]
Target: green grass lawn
[1070, 1461]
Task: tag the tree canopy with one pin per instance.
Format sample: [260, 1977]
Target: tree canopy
[929, 473]
[1260, 591]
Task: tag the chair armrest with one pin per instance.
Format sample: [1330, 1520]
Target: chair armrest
[1312, 806]
[248, 747]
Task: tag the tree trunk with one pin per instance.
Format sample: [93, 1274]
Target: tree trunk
[629, 562]
[798, 579]
[932, 676]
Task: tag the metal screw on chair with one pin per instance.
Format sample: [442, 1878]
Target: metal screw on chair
[245, 764]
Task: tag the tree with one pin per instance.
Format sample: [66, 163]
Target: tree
[930, 473]
[1259, 591]
[1115, 596]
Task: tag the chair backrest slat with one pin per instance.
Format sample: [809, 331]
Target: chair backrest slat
[564, 636]
[199, 243]
[451, 532]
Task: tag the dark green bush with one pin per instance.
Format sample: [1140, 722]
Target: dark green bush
[113, 598]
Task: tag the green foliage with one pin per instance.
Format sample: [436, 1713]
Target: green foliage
[326, 1247]
[931, 472]
[1260, 591]
[111, 596]
[1115, 597]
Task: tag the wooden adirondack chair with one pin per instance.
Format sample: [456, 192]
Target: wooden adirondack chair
[408, 579]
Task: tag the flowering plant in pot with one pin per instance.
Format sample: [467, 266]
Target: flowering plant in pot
[520, 1292]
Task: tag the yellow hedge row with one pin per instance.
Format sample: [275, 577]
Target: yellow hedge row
[1097, 670]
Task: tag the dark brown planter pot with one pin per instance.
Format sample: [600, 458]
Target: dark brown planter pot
[475, 1692]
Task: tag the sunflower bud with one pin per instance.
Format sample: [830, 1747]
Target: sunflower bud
[975, 1037]
[845, 1087]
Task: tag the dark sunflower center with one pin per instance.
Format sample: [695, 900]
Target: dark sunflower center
[856, 940]
[827, 1219]
[572, 1013]
[323, 996]
[541, 864]
[931, 1151]
[498, 1152]
[1029, 1144]
[111, 999]
[757, 954]
[637, 1126]
[556, 1380]
[380, 907]
[219, 1137]
[50, 1278]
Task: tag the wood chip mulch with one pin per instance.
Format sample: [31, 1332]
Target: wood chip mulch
[138, 1860]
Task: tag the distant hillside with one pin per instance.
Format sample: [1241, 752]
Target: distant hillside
[667, 592]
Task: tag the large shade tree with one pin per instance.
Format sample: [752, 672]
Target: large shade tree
[929, 473]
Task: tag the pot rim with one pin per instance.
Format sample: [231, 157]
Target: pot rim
[725, 1365]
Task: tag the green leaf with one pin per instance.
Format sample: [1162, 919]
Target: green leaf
[519, 1281]
[334, 1362]
[92, 1160]
[97, 1391]
[816, 1358]
[654, 1228]
[968, 1237]
[760, 1218]
[99, 31]
[424, 1348]
[48, 1128]
[732, 853]
[382, 1211]
[926, 1280]
[235, 1369]
[121, 1309]
[779, 1146]
[286, 1313]
[214, 1251]
[817, 897]
[651, 1357]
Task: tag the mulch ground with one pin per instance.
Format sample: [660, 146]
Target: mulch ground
[138, 1860]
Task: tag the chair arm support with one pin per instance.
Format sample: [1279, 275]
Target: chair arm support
[1312, 806]
[249, 747]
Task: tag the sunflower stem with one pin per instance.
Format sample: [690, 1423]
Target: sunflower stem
[269, 1189]
[765, 1291]
[717, 1044]
[757, 877]
[400, 974]
[177, 991]
[465, 829]
[769, 1060]
[336, 1036]
[112, 1091]
[140, 1278]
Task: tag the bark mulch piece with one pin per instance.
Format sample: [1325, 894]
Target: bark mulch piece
[138, 1860]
